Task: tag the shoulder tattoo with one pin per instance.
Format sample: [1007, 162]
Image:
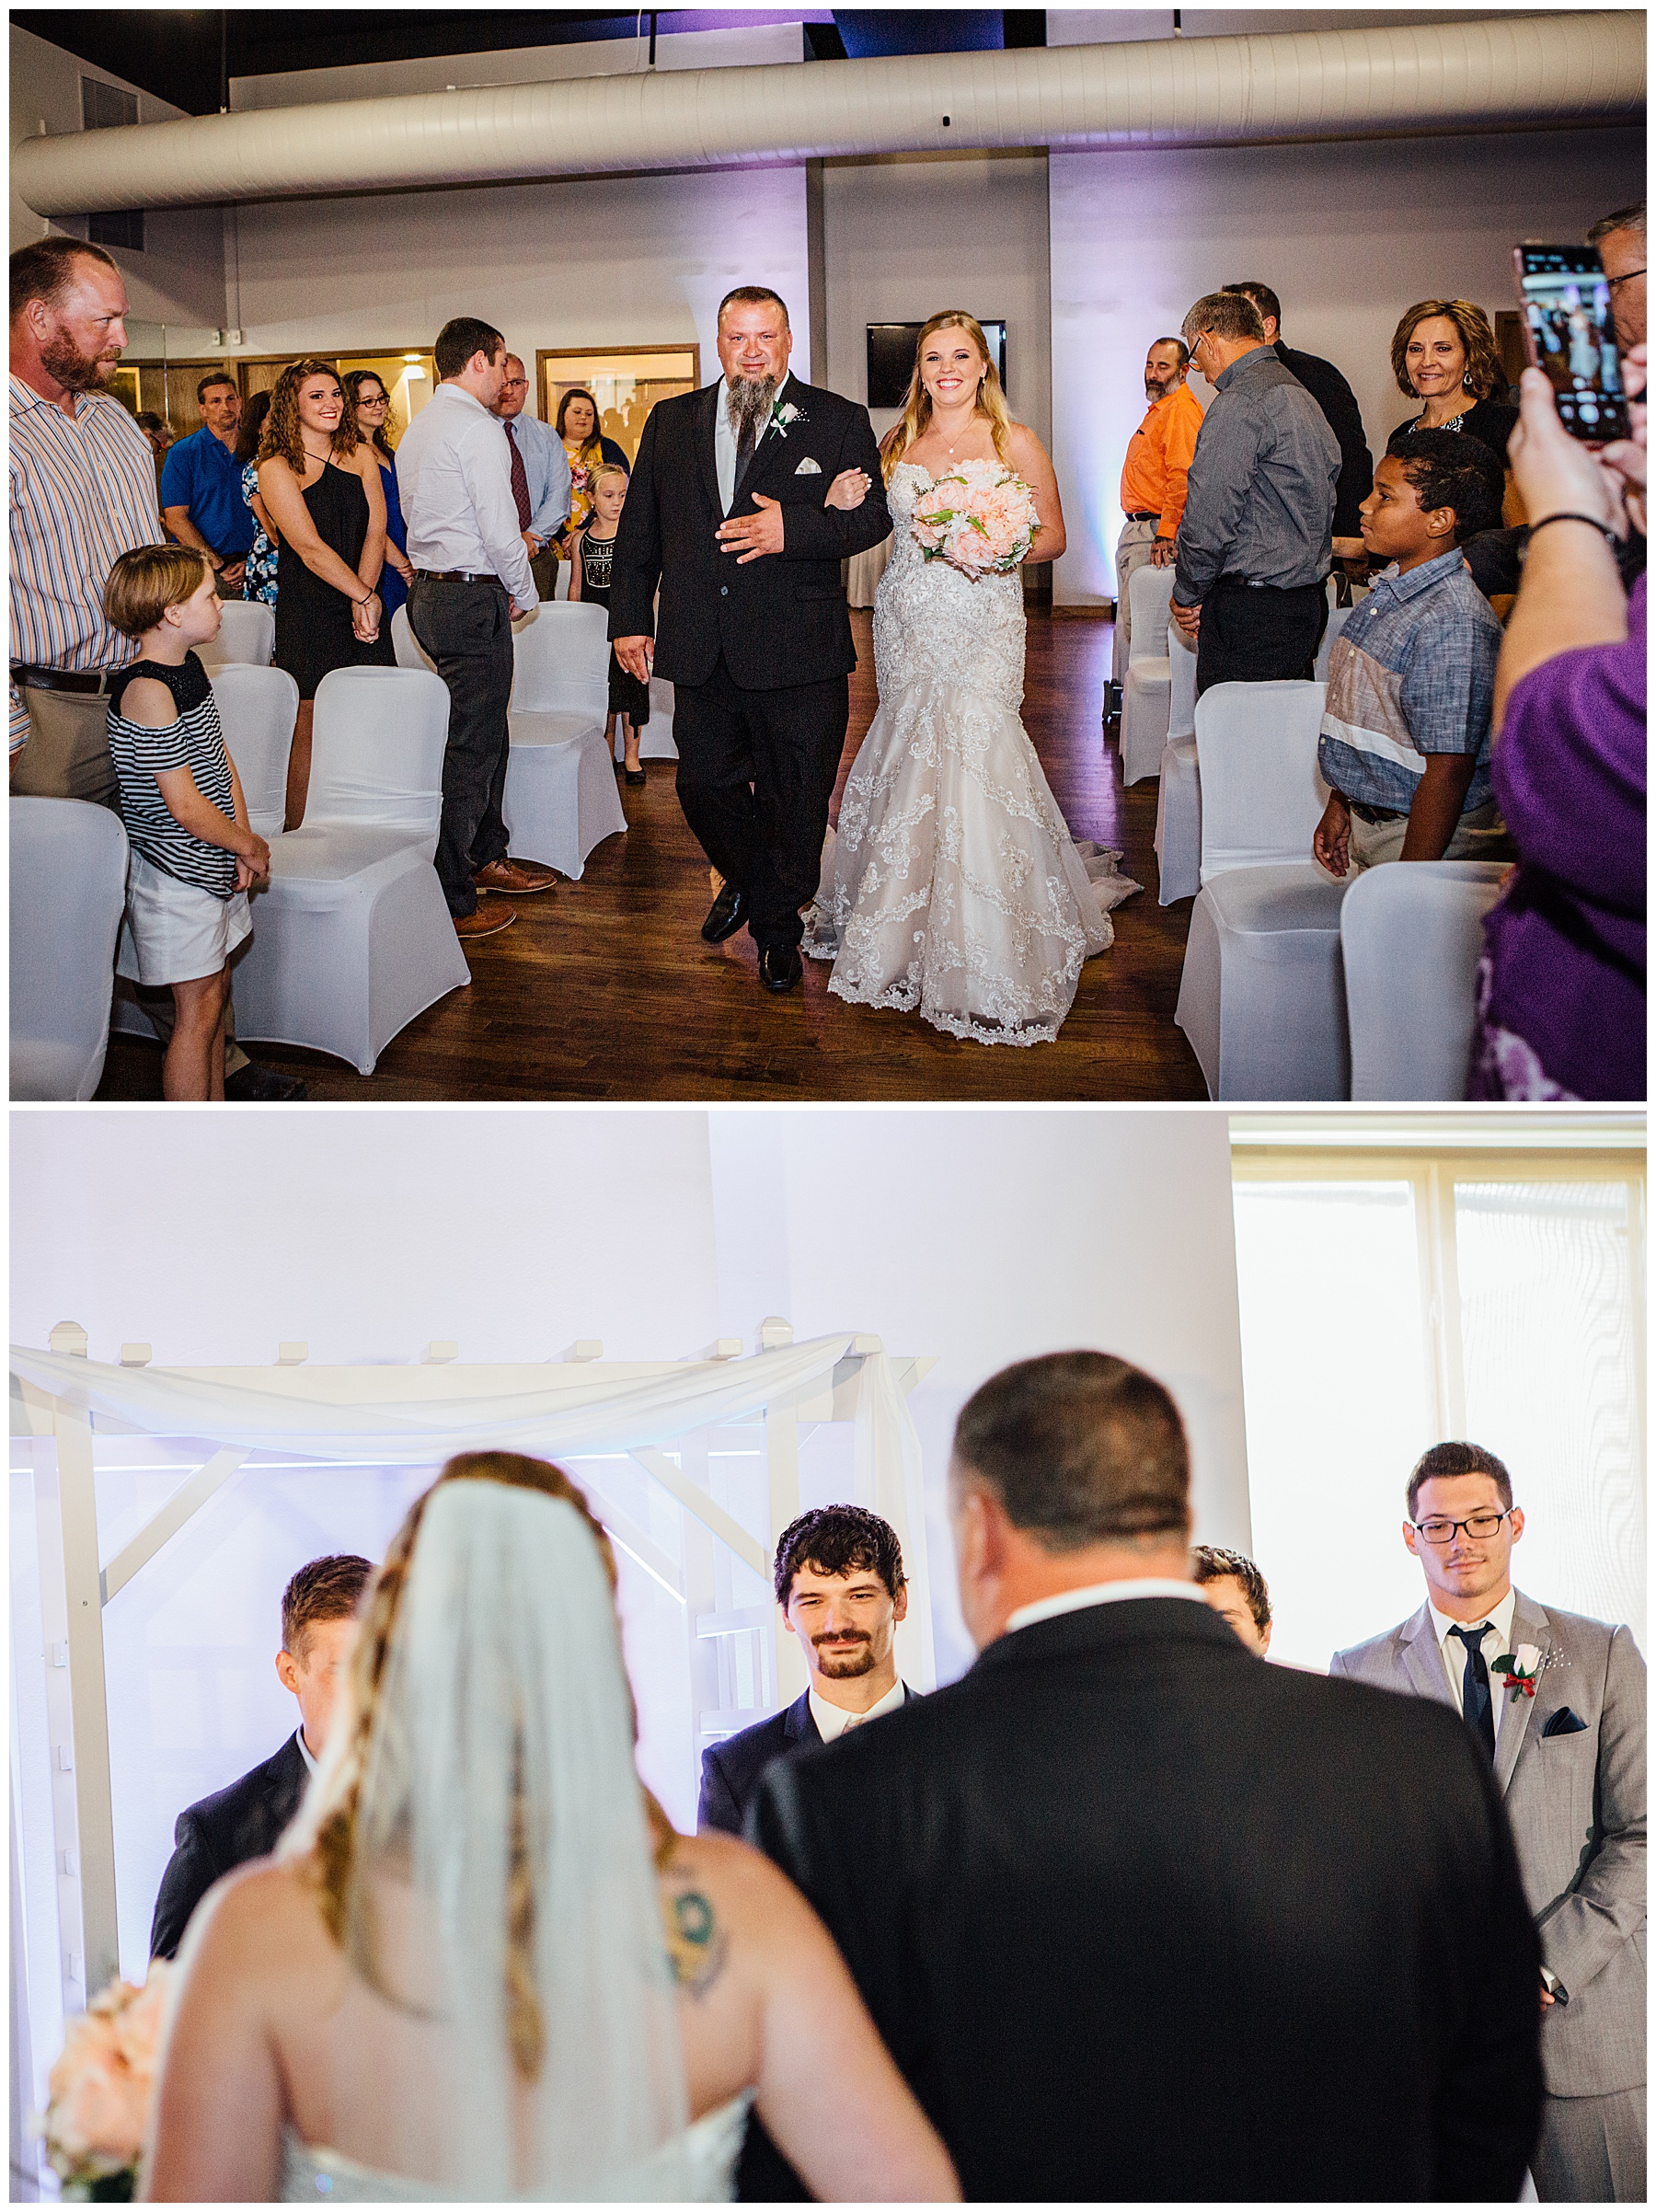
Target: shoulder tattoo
[697, 1946]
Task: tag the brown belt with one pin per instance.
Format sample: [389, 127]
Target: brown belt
[1374, 815]
[91, 680]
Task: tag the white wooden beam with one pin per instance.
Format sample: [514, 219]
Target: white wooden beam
[95, 1818]
[188, 1498]
[679, 1485]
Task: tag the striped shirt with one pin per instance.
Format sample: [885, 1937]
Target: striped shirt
[196, 741]
[83, 492]
[1412, 674]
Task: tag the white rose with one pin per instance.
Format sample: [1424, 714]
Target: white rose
[1526, 1659]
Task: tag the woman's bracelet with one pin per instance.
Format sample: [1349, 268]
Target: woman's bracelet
[364, 599]
[1592, 521]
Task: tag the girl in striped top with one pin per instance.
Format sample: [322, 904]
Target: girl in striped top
[194, 852]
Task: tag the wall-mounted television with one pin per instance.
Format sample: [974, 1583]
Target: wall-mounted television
[891, 358]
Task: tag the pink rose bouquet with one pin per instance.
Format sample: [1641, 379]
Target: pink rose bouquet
[98, 2092]
[978, 516]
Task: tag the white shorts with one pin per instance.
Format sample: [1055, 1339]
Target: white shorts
[175, 932]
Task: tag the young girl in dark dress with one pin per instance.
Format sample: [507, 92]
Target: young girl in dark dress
[594, 549]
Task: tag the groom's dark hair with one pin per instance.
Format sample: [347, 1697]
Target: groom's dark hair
[1447, 1461]
[324, 1589]
[751, 295]
[837, 1540]
[1079, 1448]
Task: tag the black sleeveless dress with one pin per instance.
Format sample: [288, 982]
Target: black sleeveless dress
[627, 695]
[313, 620]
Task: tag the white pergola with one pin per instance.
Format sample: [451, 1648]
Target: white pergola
[416, 1414]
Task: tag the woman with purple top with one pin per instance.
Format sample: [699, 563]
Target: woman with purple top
[1561, 991]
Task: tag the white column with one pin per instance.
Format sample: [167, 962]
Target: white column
[89, 1744]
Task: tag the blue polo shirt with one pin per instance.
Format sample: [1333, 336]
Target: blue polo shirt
[201, 473]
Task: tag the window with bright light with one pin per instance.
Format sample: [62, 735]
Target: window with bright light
[1389, 1303]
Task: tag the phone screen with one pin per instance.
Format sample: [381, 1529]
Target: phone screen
[1567, 332]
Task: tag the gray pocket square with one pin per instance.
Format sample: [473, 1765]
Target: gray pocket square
[1564, 1722]
[808, 467]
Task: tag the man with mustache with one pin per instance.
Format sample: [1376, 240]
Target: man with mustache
[840, 1584]
[1153, 483]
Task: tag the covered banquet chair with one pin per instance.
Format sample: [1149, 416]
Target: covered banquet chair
[68, 893]
[1178, 800]
[247, 636]
[258, 708]
[1146, 682]
[1411, 935]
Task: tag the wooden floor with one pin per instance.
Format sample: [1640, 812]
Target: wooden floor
[603, 989]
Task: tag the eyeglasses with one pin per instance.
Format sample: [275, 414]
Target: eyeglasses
[1615, 284]
[373, 399]
[1480, 1525]
[514, 384]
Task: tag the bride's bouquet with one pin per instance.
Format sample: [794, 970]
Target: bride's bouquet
[99, 2090]
[978, 516]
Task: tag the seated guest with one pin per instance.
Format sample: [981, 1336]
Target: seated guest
[1555, 1703]
[259, 581]
[1236, 1589]
[369, 407]
[840, 1584]
[245, 1821]
[1443, 353]
[201, 501]
[1344, 417]
[1561, 990]
[541, 478]
[1405, 743]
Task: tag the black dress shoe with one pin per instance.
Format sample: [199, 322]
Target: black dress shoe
[262, 1083]
[726, 915]
[780, 967]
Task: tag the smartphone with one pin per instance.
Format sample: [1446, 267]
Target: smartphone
[1568, 331]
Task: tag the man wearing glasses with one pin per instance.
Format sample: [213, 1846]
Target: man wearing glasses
[1558, 1703]
[540, 476]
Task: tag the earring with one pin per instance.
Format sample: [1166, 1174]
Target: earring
[1467, 381]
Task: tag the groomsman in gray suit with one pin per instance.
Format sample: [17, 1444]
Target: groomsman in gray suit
[1557, 1702]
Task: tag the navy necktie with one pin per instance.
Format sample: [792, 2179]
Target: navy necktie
[1477, 1705]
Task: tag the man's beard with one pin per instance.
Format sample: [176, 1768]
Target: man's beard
[1156, 391]
[749, 400]
[75, 371]
[844, 1666]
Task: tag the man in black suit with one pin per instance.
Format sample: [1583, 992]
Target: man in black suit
[1341, 410]
[245, 1821]
[1138, 1914]
[840, 1584]
[726, 511]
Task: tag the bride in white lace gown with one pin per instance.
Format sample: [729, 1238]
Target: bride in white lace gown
[482, 1967]
[957, 890]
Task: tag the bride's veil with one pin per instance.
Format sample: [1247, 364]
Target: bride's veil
[502, 1896]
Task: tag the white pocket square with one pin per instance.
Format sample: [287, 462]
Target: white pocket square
[808, 467]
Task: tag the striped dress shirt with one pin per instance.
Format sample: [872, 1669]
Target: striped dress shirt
[83, 492]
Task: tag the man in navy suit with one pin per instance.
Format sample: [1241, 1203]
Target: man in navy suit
[840, 1584]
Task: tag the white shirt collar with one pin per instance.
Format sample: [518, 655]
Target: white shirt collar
[1101, 1594]
[1499, 1618]
[305, 1749]
[833, 1720]
[458, 391]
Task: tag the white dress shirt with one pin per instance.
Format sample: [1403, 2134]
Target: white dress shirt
[1499, 1618]
[833, 1720]
[453, 475]
[724, 439]
[1101, 1594]
[305, 1752]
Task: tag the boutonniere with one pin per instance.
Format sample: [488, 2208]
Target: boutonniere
[1524, 1667]
[781, 416]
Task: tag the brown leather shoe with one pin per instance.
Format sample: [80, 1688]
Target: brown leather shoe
[483, 921]
[522, 878]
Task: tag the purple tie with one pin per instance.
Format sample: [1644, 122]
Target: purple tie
[519, 481]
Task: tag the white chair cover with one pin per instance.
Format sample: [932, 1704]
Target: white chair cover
[68, 893]
[247, 636]
[1261, 794]
[1261, 999]
[404, 644]
[655, 740]
[560, 783]
[1337, 618]
[1145, 696]
[1149, 594]
[1181, 661]
[1412, 934]
[352, 938]
[1178, 822]
[257, 707]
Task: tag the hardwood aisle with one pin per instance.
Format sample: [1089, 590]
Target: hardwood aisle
[603, 989]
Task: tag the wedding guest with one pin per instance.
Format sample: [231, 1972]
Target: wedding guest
[1073, 1886]
[1555, 1704]
[1561, 989]
[160, 439]
[1405, 741]
[591, 555]
[1620, 239]
[540, 476]
[1344, 418]
[370, 405]
[321, 486]
[840, 1584]
[1153, 480]
[201, 501]
[259, 579]
[577, 424]
[1255, 543]
[194, 856]
[1443, 353]
[1236, 1589]
[245, 1820]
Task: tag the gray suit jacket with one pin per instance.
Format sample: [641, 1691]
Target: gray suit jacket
[1576, 1801]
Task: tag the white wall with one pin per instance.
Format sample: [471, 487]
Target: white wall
[1348, 235]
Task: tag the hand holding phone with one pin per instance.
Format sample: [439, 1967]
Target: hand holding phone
[1569, 334]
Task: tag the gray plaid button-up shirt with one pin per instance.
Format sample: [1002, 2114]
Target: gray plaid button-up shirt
[1261, 503]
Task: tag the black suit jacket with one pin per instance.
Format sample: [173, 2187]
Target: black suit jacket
[223, 1831]
[1141, 1916]
[731, 1770]
[779, 621]
[1344, 417]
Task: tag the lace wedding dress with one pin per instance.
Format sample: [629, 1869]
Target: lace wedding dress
[957, 890]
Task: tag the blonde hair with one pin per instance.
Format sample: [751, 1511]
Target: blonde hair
[917, 406]
[281, 440]
[330, 1827]
[144, 583]
[607, 469]
[1483, 372]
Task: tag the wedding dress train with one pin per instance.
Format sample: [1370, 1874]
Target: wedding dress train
[957, 890]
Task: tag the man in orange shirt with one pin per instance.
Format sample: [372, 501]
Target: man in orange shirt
[1153, 480]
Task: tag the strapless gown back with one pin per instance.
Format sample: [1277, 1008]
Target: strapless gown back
[954, 888]
[703, 2167]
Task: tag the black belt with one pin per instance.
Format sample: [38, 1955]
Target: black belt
[1258, 583]
[1144, 515]
[90, 680]
[457, 576]
[1374, 815]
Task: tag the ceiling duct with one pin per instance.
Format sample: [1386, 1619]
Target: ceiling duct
[1498, 73]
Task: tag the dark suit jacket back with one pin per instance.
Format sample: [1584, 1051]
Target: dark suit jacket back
[1141, 1916]
[732, 1771]
[1344, 417]
[779, 621]
[224, 1831]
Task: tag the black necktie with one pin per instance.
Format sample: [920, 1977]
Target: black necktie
[1477, 1706]
[746, 439]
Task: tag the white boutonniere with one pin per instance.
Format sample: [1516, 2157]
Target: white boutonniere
[782, 416]
[1524, 1667]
